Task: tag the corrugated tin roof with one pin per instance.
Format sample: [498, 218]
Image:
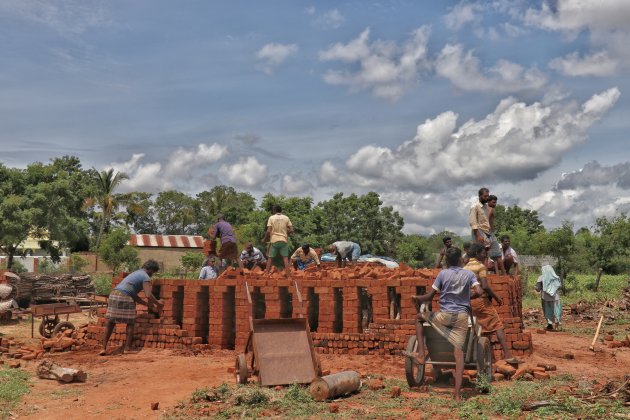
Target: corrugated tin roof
[166, 241]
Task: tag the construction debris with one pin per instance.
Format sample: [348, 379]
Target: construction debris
[48, 369]
[66, 340]
[16, 350]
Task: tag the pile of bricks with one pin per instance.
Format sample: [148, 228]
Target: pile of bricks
[12, 349]
[215, 314]
[66, 340]
[149, 332]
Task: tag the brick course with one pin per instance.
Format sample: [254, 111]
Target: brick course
[215, 314]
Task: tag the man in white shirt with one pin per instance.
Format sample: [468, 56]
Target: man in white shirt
[510, 259]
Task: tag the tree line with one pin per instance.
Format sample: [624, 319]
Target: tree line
[69, 206]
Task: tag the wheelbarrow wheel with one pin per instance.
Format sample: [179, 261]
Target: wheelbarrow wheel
[241, 372]
[484, 358]
[47, 326]
[414, 372]
[61, 327]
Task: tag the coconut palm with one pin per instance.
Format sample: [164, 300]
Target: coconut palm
[104, 197]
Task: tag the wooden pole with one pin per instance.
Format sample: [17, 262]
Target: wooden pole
[599, 325]
[335, 385]
[599, 276]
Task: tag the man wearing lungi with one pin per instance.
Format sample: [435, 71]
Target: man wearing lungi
[454, 285]
[121, 304]
[487, 315]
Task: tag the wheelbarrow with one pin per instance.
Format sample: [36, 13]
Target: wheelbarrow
[439, 353]
[280, 350]
[49, 312]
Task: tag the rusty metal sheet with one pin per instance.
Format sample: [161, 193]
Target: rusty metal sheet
[284, 351]
[54, 309]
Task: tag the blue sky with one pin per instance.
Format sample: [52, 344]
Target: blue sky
[423, 102]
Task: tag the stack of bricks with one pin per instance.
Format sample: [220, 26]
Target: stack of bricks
[215, 313]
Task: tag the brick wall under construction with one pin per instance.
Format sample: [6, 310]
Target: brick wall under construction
[356, 310]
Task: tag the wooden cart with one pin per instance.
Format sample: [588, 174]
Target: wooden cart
[477, 354]
[281, 350]
[49, 312]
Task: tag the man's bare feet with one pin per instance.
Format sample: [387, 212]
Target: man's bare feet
[415, 356]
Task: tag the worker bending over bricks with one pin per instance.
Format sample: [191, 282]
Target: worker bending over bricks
[481, 303]
[121, 304]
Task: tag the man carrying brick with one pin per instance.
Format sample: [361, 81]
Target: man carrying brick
[481, 303]
[304, 256]
[229, 249]
[451, 322]
[345, 250]
[121, 304]
[278, 229]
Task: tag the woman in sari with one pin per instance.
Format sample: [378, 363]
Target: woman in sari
[548, 285]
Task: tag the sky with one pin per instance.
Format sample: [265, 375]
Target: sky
[422, 102]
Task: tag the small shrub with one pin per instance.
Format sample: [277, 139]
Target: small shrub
[298, 394]
[251, 397]
[77, 263]
[18, 267]
[483, 383]
[102, 284]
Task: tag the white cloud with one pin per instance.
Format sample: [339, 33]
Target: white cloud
[520, 140]
[67, 17]
[595, 174]
[310, 10]
[247, 172]
[328, 173]
[383, 67]
[596, 64]
[292, 185]
[180, 170]
[142, 176]
[464, 70]
[331, 19]
[272, 55]
[607, 25]
[462, 14]
[184, 161]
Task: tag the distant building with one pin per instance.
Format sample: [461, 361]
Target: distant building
[167, 250]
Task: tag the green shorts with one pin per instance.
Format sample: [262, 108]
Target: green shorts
[279, 248]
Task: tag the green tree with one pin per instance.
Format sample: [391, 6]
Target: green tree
[44, 201]
[139, 215]
[114, 250]
[414, 251]
[610, 247]
[192, 261]
[104, 196]
[234, 205]
[510, 219]
[175, 213]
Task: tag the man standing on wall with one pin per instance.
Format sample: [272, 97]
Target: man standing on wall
[229, 250]
[448, 242]
[279, 227]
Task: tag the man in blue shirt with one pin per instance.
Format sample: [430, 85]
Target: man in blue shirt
[454, 285]
[121, 304]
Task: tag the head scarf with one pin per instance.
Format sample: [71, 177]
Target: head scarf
[550, 280]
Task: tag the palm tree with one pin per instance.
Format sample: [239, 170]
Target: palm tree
[104, 196]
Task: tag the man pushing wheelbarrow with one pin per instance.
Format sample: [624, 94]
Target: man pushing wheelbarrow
[451, 322]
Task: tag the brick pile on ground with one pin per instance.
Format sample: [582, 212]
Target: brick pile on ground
[215, 314]
[613, 343]
[68, 340]
[17, 351]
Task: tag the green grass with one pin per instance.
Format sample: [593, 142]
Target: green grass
[13, 384]
[65, 393]
[102, 283]
[579, 288]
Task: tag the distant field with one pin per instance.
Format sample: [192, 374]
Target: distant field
[610, 287]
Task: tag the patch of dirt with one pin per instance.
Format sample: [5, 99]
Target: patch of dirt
[125, 386]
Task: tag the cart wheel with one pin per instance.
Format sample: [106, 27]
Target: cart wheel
[414, 372]
[47, 326]
[484, 358]
[241, 372]
[318, 365]
[61, 327]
